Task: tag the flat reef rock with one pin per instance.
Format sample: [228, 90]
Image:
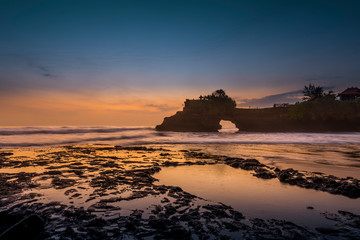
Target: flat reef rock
[110, 192]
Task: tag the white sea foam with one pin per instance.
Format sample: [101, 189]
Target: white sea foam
[39, 136]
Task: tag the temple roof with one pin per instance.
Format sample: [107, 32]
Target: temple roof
[351, 91]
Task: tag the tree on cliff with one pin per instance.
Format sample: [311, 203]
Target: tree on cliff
[311, 92]
[220, 100]
[218, 94]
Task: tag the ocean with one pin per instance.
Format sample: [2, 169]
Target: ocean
[60, 135]
[331, 153]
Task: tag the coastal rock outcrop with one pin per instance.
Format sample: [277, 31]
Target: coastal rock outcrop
[204, 115]
[201, 115]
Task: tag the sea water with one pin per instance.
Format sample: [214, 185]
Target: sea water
[255, 197]
[330, 153]
[40, 136]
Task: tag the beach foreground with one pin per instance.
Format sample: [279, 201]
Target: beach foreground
[112, 192]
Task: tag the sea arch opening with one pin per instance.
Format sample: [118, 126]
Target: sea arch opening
[227, 127]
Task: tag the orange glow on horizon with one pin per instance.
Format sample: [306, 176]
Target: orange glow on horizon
[73, 109]
[112, 107]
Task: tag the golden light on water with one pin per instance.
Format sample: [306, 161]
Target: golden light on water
[253, 196]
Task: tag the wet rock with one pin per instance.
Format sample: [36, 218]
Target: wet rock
[157, 209]
[109, 164]
[7, 187]
[264, 173]
[136, 148]
[326, 183]
[232, 226]
[169, 210]
[60, 183]
[41, 162]
[53, 172]
[249, 164]
[246, 164]
[68, 192]
[350, 219]
[177, 232]
[102, 207]
[285, 175]
[328, 231]
[217, 211]
[5, 154]
[168, 163]
[27, 228]
[24, 177]
[160, 224]
[76, 195]
[277, 229]
[177, 215]
[97, 222]
[79, 173]
[237, 216]
[104, 182]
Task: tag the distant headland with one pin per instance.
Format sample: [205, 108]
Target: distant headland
[319, 112]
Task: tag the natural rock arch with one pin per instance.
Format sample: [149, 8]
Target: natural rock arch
[227, 127]
[201, 115]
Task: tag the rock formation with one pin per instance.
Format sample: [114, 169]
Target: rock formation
[201, 115]
[205, 113]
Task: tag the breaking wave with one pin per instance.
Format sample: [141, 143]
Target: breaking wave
[47, 136]
[63, 130]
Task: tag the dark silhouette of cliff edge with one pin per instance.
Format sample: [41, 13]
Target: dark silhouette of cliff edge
[318, 115]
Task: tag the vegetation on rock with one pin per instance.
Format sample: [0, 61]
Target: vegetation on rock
[319, 112]
[216, 103]
[323, 106]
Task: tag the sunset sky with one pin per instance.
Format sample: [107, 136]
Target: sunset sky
[85, 62]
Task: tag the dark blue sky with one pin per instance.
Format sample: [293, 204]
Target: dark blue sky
[249, 48]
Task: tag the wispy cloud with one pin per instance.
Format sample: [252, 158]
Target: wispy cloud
[44, 71]
[268, 101]
[323, 78]
[161, 107]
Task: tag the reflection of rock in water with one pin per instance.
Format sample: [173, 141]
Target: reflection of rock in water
[106, 192]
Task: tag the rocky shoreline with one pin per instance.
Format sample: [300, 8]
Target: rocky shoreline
[109, 192]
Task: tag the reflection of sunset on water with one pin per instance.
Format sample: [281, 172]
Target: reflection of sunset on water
[257, 197]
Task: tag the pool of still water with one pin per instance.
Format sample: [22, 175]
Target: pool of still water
[257, 198]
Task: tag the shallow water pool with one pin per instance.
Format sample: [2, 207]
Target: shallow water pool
[256, 197]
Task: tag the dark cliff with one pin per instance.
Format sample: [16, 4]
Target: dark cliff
[204, 115]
